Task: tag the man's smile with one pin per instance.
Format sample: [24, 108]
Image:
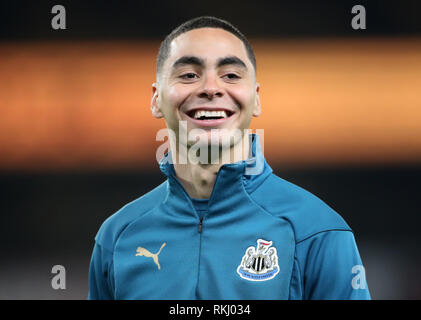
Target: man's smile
[208, 116]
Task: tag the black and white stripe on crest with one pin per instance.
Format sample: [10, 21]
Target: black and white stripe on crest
[258, 264]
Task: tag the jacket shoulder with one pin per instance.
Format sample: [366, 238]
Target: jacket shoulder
[116, 223]
[306, 213]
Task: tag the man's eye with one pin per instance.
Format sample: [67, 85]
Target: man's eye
[189, 76]
[231, 76]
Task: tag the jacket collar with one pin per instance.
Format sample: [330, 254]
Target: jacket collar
[232, 179]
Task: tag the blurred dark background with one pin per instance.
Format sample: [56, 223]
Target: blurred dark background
[131, 19]
[56, 189]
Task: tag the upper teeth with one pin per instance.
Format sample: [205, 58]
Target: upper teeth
[205, 113]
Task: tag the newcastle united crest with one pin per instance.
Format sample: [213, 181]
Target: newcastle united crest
[260, 263]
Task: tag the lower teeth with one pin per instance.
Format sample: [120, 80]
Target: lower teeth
[209, 118]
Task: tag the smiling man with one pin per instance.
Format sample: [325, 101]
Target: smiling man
[206, 77]
[224, 227]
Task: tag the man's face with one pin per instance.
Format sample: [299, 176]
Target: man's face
[209, 82]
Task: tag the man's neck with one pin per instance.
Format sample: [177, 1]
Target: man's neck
[198, 179]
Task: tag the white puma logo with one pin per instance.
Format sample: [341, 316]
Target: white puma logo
[145, 252]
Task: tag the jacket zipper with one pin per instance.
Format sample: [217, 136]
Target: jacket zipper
[200, 225]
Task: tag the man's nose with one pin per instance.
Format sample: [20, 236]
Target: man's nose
[210, 88]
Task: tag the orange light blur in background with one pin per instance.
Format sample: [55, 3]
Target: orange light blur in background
[85, 105]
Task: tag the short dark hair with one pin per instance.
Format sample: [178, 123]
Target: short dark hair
[197, 23]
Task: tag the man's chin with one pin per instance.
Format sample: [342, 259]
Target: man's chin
[215, 138]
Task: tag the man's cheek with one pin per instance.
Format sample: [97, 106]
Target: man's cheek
[242, 97]
[177, 93]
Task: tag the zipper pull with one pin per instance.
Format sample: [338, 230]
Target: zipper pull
[200, 225]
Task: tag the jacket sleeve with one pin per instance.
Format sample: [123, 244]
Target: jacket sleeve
[101, 277]
[331, 267]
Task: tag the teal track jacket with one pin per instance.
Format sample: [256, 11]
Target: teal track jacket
[257, 237]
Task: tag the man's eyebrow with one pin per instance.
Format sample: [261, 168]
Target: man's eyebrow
[189, 60]
[231, 60]
[193, 60]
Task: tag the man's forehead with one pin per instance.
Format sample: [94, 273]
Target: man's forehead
[210, 44]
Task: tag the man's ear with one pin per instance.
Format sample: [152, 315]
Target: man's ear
[257, 110]
[156, 111]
